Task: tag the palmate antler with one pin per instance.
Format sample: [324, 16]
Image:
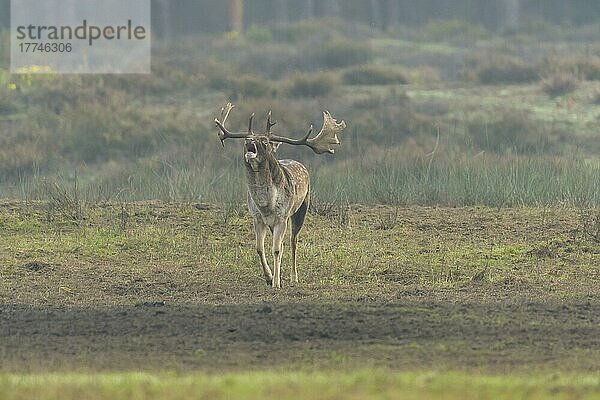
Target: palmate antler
[320, 144]
[323, 141]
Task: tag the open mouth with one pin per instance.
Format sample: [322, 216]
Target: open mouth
[250, 151]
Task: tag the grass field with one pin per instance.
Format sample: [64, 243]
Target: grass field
[363, 384]
[392, 301]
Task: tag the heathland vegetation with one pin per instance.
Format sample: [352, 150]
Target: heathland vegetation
[446, 113]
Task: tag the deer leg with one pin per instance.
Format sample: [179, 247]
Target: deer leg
[297, 221]
[261, 231]
[294, 271]
[278, 235]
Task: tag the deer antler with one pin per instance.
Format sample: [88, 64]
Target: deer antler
[323, 141]
[225, 134]
[269, 125]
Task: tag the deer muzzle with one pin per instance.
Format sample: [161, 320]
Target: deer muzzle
[251, 151]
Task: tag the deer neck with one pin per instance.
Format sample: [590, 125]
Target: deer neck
[265, 182]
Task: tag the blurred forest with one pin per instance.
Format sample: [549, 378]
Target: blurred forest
[453, 102]
[212, 16]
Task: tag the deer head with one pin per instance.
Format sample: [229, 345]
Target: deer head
[259, 145]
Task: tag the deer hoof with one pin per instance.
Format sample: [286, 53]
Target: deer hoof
[269, 281]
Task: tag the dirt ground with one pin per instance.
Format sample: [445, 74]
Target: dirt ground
[61, 310]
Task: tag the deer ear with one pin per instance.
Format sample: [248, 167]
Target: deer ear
[275, 146]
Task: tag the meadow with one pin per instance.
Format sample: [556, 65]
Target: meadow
[451, 248]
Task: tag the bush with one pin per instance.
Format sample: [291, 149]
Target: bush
[505, 71]
[591, 69]
[560, 84]
[270, 61]
[259, 34]
[453, 28]
[587, 68]
[242, 86]
[340, 54]
[311, 85]
[513, 131]
[374, 75]
[7, 104]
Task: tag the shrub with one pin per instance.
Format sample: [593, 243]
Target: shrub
[7, 104]
[374, 75]
[271, 61]
[586, 68]
[560, 84]
[512, 131]
[505, 71]
[447, 29]
[589, 69]
[242, 86]
[311, 85]
[340, 53]
[259, 34]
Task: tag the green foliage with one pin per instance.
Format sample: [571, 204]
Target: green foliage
[362, 383]
[374, 75]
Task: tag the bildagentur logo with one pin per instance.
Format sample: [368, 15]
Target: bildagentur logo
[89, 33]
[82, 36]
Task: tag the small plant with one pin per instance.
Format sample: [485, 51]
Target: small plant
[66, 202]
[337, 211]
[589, 225]
[374, 75]
[560, 84]
[387, 218]
[230, 209]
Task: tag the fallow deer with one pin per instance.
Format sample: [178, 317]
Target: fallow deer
[278, 190]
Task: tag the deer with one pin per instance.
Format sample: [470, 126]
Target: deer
[278, 191]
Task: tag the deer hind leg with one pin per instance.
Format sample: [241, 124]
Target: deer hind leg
[261, 231]
[297, 221]
[278, 235]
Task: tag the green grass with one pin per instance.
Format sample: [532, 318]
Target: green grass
[362, 384]
[175, 237]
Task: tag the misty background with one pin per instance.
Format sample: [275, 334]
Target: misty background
[452, 102]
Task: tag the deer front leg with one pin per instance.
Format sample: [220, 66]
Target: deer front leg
[261, 231]
[278, 235]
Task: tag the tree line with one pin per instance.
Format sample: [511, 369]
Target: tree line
[174, 17]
